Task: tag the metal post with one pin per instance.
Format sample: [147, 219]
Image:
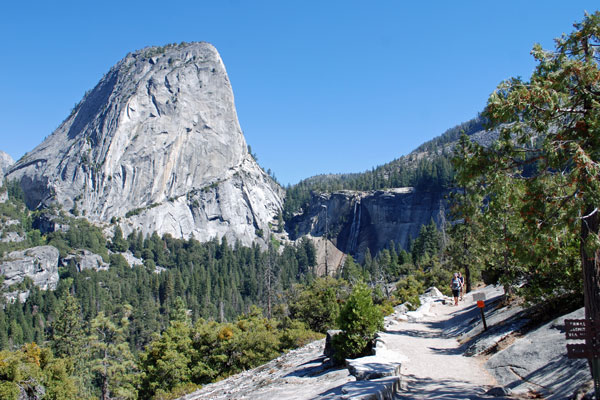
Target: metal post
[596, 373]
[483, 319]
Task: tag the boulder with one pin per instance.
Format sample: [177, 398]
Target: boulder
[373, 367]
[431, 294]
[376, 389]
[11, 237]
[38, 263]
[17, 295]
[420, 313]
[131, 259]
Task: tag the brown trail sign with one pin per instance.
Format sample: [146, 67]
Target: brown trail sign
[588, 330]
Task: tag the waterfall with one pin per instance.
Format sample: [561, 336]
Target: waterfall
[354, 228]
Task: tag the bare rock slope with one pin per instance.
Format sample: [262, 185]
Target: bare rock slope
[158, 145]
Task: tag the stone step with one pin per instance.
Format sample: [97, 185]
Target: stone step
[374, 389]
[372, 367]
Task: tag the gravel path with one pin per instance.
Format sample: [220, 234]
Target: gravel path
[434, 367]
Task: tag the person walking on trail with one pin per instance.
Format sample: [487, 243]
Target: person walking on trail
[462, 286]
[455, 285]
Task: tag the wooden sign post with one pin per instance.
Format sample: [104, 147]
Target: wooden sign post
[588, 330]
[480, 299]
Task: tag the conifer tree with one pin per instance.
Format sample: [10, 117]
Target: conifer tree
[119, 244]
[550, 140]
[167, 362]
[112, 360]
[68, 336]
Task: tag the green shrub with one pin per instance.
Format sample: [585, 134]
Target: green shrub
[386, 307]
[295, 334]
[409, 289]
[359, 321]
[316, 304]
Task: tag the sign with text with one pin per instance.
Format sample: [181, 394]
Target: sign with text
[478, 296]
[579, 350]
[583, 329]
[577, 329]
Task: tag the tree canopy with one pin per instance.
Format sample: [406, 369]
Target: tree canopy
[542, 177]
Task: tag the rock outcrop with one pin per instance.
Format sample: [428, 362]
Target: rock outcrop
[85, 259]
[38, 263]
[5, 163]
[357, 221]
[538, 362]
[157, 145]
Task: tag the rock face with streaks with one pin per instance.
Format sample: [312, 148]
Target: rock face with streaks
[38, 263]
[157, 145]
[356, 221]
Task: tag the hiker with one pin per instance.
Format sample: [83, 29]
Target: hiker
[455, 286]
[462, 286]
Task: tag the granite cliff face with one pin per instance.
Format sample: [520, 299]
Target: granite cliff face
[156, 144]
[356, 221]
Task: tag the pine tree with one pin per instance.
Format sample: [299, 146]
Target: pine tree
[119, 244]
[111, 358]
[167, 362]
[550, 139]
[67, 336]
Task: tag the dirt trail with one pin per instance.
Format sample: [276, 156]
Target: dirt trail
[434, 367]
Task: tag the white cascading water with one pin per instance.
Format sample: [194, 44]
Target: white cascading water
[354, 228]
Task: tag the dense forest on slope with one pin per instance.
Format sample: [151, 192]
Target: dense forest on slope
[426, 168]
[215, 279]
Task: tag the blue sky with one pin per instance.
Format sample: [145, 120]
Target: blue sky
[320, 86]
